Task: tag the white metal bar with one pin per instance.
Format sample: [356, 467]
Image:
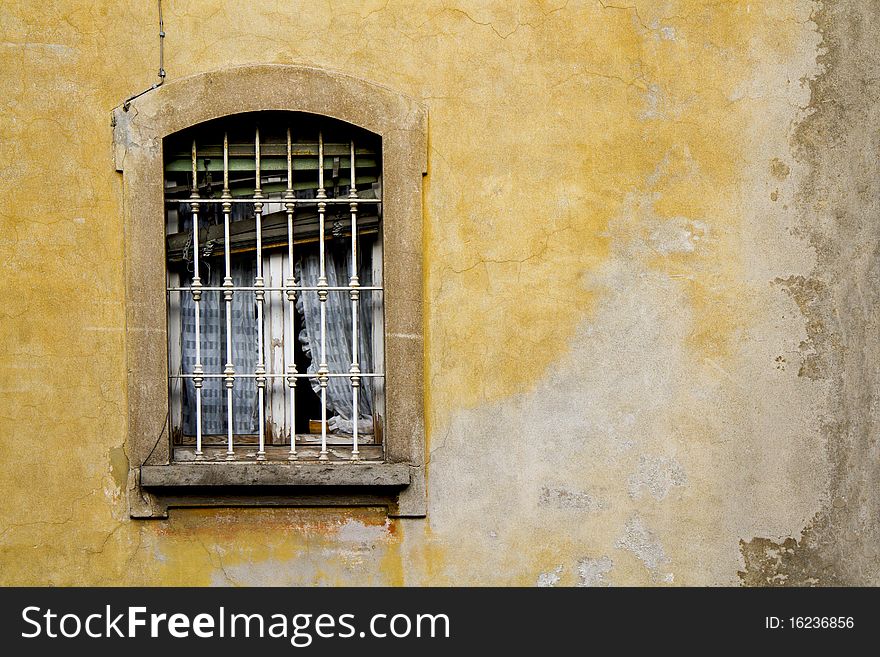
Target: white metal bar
[304, 150]
[322, 297]
[296, 201]
[260, 297]
[197, 298]
[229, 369]
[354, 283]
[290, 284]
[285, 288]
[278, 375]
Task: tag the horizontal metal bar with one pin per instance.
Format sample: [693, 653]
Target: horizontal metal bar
[338, 449]
[296, 201]
[241, 163]
[299, 149]
[251, 288]
[240, 186]
[252, 439]
[340, 375]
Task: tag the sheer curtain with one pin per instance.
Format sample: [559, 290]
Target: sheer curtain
[338, 333]
[244, 352]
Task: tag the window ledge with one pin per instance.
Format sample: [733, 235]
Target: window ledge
[274, 474]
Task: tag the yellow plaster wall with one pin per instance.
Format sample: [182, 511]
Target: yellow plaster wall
[610, 365]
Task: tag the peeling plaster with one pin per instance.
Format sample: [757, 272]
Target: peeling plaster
[838, 205]
[548, 579]
[643, 543]
[562, 498]
[592, 572]
[656, 475]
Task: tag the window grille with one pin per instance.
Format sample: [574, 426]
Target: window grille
[277, 260]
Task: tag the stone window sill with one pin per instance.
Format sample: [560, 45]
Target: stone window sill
[399, 487]
[268, 474]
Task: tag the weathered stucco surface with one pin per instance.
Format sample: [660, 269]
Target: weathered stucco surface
[651, 296]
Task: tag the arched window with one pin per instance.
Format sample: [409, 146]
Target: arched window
[274, 255]
[273, 290]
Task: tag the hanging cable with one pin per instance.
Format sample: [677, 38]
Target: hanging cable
[127, 102]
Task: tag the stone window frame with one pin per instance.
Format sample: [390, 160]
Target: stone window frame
[156, 483]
